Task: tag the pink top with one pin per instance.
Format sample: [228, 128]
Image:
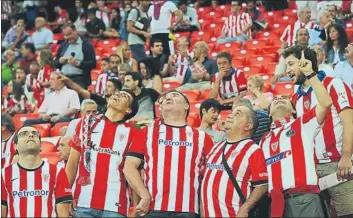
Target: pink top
[268, 96]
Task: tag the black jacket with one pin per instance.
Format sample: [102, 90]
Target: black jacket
[89, 59]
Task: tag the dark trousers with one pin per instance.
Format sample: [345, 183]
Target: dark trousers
[164, 37]
[40, 121]
[304, 205]
[158, 213]
[138, 52]
[80, 80]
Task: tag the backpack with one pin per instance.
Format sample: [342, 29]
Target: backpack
[141, 23]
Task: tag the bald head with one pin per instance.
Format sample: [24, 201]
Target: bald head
[64, 148]
[40, 22]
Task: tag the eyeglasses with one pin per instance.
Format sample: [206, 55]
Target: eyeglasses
[26, 133]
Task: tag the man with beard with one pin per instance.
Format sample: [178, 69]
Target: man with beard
[334, 143]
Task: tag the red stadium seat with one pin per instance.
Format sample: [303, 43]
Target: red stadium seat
[58, 36]
[238, 62]
[55, 131]
[107, 44]
[194, 120]
[95, 74]
[91, 88]
[270, 68]
[267, 79]
[267, 88]
[201, 35]
[205, 94]
[195, 106]
[55, 47]
[46, 146]
[256, 43]
[243, 53]
[270, 35]
[44, 129]
[204, 10]
[229, 46]
[224, 114]
[51, 157]
[279, 28]
[261, 60]
[286, 88]
[170, 85]
[192, 95]
[19, 119]
[252, 71]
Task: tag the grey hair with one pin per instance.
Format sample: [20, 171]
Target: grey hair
[252, 117]
[301, 9]
[243, 102]
[125, 67]
[87, 101]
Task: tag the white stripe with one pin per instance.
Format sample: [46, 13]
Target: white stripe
[16, 187]
[201, 145]
[174, 171]
[160, 167]
[30, 199]
[187, 171]
[45, 187]
[149, 151]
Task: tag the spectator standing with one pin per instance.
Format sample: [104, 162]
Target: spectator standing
[95, 165]
[61, 20]
[95, 26]
[146, 97]
[16, 36]
[161, 12]
[137, 27]
[113, 30]
[45, 61]
[88, 107]
[173, 153]
[237, 27]
[64, 150]
[156, 47]
[124, 53]
[81, 19]
[7, 10]
[150, 74]
[8, 150]
[209, 112]
[337, 42]
[190, 20]
[28, 54]
[16, 103]
[334, 142]
[344, 69]
[48, 182]
[8, 69]
[42, 37]
[229, 82]
[76, 57]
[258, 99]
[201, 69]
[255, 14]
[59, 106]
[246, 164]
[103, 12]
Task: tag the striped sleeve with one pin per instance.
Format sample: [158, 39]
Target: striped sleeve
[138, 145]
[99, 84]
[285, 34]
[3, 192]
[62, 189]
[258, 168]
[340, 94]
[225, 25]
[241, 81]
[75, 141]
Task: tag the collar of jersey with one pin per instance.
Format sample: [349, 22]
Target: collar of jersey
[21, 167]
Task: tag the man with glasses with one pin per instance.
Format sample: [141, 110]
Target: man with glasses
[237, 27]
[8, 150]
[173, 154]
[33, 187]
[97, 158]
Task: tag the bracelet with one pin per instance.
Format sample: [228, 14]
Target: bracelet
[311, 75]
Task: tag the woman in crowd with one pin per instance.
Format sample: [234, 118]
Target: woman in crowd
[150, 73]
[124, 53]
[259, 99]
[45, 61]
[16, 101]
[336, 43]
[114, 24]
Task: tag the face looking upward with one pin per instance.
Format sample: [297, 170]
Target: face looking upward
[238, 120]
[28, 141]
[120, 101]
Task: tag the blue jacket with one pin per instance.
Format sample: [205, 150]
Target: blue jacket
[331, 55]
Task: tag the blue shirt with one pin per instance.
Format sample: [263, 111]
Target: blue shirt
[344, 71]
[42, 37]
[263, 127]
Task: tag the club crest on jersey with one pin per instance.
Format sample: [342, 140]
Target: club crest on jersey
[234, 154]
[46, 177]
[189, 134]
[307, 104]
[87, 159]
[290, 133]
[274, 146]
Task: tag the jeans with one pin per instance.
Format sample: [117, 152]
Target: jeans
[241, 38]
[89, 212]
[138, 52]
[40, 121]
[157, 213]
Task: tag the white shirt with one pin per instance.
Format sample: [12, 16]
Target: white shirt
[344, 71]
[327, 69]
[163, 23]
[58, 101]
[72, 127]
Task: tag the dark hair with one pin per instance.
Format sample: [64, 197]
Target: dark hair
[238, 1]
[134, 105]
[115, 55]
[151, 66]
[6, 120]
[342, 37]
[118, 18]
[182, 2]
[105, 59]
[30, 46]
[69, 25]
[226, 55]
[15, 137]
[135, 77]
[309, 54]
[17, 89]
[208, 104]
[117, 84]
[153, 41]
[185, 98]
[91, 11]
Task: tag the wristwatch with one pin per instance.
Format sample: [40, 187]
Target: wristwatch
[311, 75]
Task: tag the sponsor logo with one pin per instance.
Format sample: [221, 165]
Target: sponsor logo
[263, 174]
[105, 150]
[13, 179]
[278, 157]
[327, 154]
[215, 166]
[25, 193]
[68, 190]
[290, 133]
[174, 143]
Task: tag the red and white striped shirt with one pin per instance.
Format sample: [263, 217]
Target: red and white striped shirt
[181, 64]
[34, 192]
[235, 24]
[173, 159]
[218, 195]
[289, 153]
[105, 162]
[8, 151]
[12, 103]
[102, 82]
[328, 143]
[289, 34]
[231, 85]
[104, 16]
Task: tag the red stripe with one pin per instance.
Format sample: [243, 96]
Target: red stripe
[276, 168]
[298, 155]
[38, 199]
[167, 168]
[154, 168]
[181, 171]
[195, 152]
[230, 189]
[102, 166]
[23, 186]
[53, 181]
[8, 173]
[182, 66]
[231, 88]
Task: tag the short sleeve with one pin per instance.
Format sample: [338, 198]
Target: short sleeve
[75, 141]
[63, 193]
[49, 37]
[208, 144]
[132, 15]
[75, 101]
[138, 145]
[258, 168]
[241, 82]
[4, 193]
[149, 12]
[341, 95]
[44, 106]
[172, 7]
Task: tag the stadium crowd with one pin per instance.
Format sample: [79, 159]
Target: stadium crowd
[208, 108]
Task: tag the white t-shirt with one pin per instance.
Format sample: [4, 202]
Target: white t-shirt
[165, 18]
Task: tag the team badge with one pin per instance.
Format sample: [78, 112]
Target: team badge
[87, 159]
[189, 134]
[274, 146]
[46, 177]
[290, 133]
[234, 154]
[307, 104]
